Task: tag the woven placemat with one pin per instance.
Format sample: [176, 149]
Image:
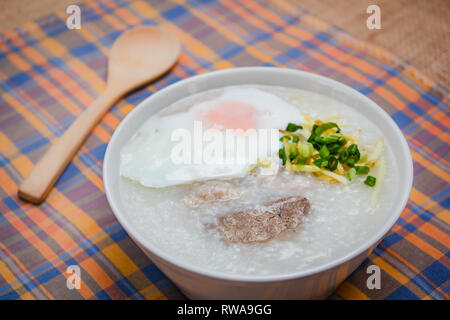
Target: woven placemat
[49, 75]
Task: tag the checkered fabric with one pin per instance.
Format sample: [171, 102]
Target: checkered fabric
[50, 74]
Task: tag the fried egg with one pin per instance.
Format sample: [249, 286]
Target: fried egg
[211, 139]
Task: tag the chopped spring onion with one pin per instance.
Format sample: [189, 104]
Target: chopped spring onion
[324, 127]
[334, 137]
[320, 162]
[332, 163]
[327, 152]
[370, 181]
[323, 152]
[299, 160]
[285, 137]
[351, 174]
[292, 127]
[354, 151]
[334, 148]
[353, 155]
[286, 151]
[292, 148]
[350, 162]
[306, 149]
[319, 141]
[282, 155]
[315, 137]
[362, 169]
[343, 156]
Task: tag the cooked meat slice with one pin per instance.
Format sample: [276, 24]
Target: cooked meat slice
[264, 222]
[209, 192]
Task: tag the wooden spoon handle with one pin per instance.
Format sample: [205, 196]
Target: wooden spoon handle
[36, 187]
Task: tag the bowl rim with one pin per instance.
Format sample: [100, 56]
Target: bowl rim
[398, 207]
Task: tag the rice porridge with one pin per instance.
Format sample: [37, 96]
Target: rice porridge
[340, 210]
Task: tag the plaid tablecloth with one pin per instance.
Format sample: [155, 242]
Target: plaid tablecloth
[50, 74]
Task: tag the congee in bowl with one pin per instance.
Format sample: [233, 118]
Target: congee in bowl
[257, 180]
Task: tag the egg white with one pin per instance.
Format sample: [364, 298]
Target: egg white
[146, 158]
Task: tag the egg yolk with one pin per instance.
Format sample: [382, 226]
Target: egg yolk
[232, 115]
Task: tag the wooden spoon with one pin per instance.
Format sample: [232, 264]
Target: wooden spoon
[137, 57]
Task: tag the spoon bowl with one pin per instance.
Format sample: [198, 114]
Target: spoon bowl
[141, 55]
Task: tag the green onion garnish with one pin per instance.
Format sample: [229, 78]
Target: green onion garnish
[319, 141]
[282, 155]
[299, 160]
[343, 156]
[362, 169]
[324, 127]
[293, 153]
[353, 152]
[350, 162]
[334, 148]
[320, 162]
[292, 148]
[332, 163]
[370, 181]
[292, 127]
[285, 137]
[342, 142]
[351, 174]
[332, 138]
[323, 152]
[352, 149]
[306, 149]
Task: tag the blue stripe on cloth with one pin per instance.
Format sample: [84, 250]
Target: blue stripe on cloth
[99, 152]
[153, 273]
[402, 293]
[20, 79]
[175, 12]
[412, 106]
[437, 273]
[391, 239]
[50, 274]
[70, 171]
[10, 203]
[401, 119]
[127, 287]
[102, 295]
[84, 49]
[35, 145]
[119, 235]
[10, 296]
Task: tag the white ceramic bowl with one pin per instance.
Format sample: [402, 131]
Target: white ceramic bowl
[316, 282]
